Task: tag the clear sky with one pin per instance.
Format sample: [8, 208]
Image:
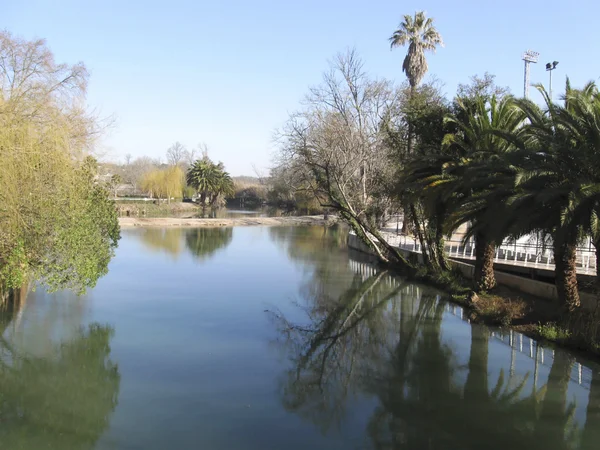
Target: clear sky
[228, 72]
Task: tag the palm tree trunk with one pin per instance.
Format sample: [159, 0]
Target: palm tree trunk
[565, 274]
[483, 276]
[409, 146]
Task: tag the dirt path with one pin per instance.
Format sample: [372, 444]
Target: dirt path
[131, 222]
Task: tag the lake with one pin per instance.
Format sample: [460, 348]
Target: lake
[276, 338]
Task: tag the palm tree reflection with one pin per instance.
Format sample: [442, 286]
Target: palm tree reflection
[384, 342]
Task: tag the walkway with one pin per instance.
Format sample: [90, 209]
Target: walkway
[521, 255]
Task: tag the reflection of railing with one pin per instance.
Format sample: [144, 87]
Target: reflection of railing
[523, 254]
[581, 374]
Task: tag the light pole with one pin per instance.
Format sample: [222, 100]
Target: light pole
[529, 57]
[549, 68]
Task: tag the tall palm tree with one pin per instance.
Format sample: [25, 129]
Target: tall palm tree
[420, 35]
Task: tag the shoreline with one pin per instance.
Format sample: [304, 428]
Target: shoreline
[136, 222]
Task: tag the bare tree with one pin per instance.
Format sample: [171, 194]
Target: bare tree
[203, 149]
[175, 153]
[190, 156]
[128, 159]
[136, 169]
[337, 145]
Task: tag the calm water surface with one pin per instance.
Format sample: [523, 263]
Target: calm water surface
[276, 338]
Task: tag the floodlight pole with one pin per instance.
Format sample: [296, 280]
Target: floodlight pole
[529, 57]
[549, 68]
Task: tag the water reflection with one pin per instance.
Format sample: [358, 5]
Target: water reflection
[166, 240]
[63, 400]
[205, 242]
[382, 341]
[201, 243]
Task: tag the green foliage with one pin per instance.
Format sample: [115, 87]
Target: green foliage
[210, 180]
[553, 332]
[164, 183]
[57, 225]
[12, 272]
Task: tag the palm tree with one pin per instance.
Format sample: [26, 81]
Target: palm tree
[210, 180]
[470, 173]
[559, 180]
[420, 35]
[486, 176]
[202, 176]
[584, 206]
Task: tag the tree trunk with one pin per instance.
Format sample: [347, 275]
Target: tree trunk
[439, 244]
[483, 277]
[419, 231]
[565, 274]
[382, 248]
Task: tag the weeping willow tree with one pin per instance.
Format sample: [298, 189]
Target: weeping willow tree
[164, 183]
[56, 222]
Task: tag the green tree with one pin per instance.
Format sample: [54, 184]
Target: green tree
[210, 180]
[558, 181]
[420, 35]
[164, 183]
[479, 172]
[56, 223]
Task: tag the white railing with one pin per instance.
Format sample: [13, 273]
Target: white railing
[516, 253]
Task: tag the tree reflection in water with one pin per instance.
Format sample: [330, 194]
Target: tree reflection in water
[205, 242]
[384, 341]
[61, 401]
[202, 243]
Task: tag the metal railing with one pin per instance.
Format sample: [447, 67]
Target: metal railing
[516, 253]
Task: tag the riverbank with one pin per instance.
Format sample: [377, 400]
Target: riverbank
[133, 222]
[504, 306]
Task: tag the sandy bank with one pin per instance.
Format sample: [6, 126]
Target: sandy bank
[131, 222]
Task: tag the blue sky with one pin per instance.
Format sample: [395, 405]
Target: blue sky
[228, 72]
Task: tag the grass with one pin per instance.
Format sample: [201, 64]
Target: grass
[150, 209]
[552, 332]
